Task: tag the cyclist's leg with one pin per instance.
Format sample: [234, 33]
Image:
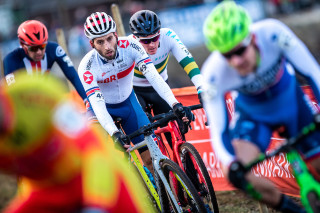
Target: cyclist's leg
[149, 95]
[133, 118]
[245, 131]
[140, 96]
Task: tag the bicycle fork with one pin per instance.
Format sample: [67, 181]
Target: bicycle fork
[157, 157]
[146, 178]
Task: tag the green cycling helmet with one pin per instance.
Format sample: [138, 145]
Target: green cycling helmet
[226, 26]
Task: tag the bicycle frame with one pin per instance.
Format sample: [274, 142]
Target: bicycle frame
[304, 178]
[145, 177]
[133, 156]
[157, 157]
[177, 141]
[159, 162]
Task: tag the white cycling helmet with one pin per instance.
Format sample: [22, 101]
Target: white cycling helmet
[99, 24]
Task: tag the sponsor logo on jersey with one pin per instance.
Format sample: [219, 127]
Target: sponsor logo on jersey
[120, 75]
[135, 46]
[173, 36]
[120, 60]
[161, 57]
[121, 65]
[123, 43]
[264, 80]
[88, 67]
[88, 77]
[60, 52]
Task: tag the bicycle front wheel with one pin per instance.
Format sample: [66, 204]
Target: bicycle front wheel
[184, 192]
[196, 171]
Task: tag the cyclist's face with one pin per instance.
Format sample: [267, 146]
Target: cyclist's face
[106, 45]
[243, 58]
[150, 43]
[36, 53]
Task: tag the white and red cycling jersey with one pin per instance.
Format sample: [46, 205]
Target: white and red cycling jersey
[111, 81]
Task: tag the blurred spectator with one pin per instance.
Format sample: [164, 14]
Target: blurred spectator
[78, 44]
[289, 6]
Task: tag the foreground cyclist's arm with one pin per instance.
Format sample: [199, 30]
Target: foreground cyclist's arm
[298, 54]
[218, 80]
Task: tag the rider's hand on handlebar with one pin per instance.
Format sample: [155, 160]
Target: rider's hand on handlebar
[183, 113]
[121, 140]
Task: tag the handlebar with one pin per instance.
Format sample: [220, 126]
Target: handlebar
[160, 120]
[168, 114]
[312, 127]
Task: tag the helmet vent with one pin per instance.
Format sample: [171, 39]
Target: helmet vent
[37, 35]
[29, 37]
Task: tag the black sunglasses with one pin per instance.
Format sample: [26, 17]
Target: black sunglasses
[35, 48]
[149, 40]
[238, 52]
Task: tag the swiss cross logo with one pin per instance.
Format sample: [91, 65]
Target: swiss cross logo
[123, 43]
[88, 77]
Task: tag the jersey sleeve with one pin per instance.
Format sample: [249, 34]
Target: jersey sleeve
[95, 97]
[67, 68]
[11, 63]
[215, 87]
[146, 67]
[184, 57]
[298, 54]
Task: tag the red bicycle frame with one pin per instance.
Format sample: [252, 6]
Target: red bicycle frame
[177, 141]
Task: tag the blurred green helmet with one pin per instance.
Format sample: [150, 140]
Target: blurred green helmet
[226, 26]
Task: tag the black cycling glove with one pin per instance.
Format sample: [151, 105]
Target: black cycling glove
[120, 139]
[180, 111]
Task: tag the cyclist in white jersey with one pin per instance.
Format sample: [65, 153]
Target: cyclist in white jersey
[106, 73]
[159, 43]
[258, 61]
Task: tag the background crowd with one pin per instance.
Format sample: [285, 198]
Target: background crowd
[70, 16]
